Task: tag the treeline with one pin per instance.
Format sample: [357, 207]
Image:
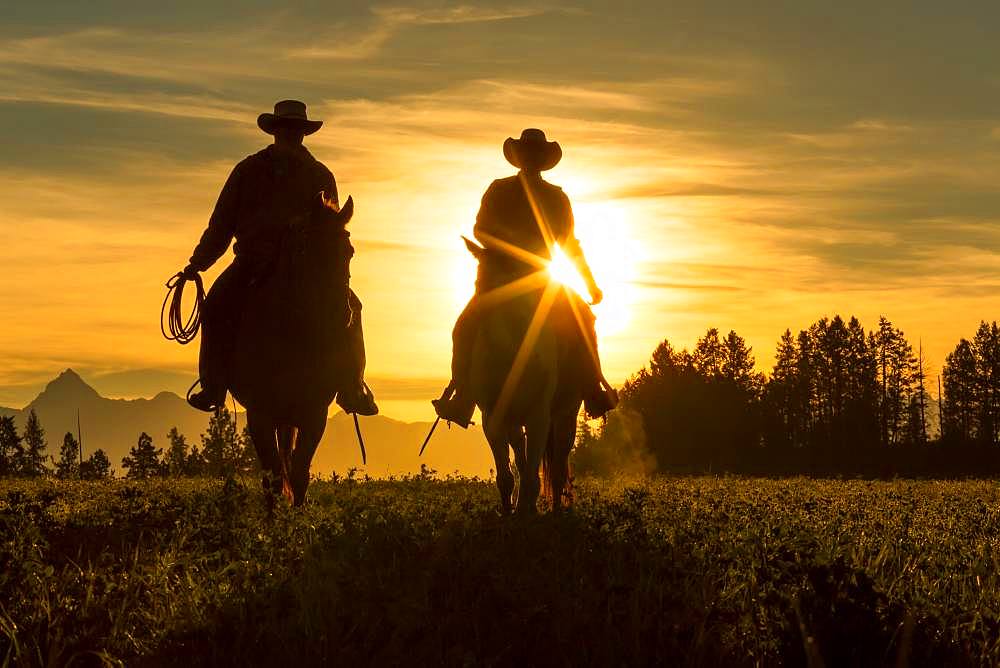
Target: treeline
[223, 452]
[839, 400]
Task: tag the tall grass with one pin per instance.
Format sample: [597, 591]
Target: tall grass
[678, 571]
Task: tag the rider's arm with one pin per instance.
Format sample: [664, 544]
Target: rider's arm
[571, 247]
[221, 226]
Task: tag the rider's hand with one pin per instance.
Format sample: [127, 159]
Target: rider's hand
[596, 295]
[189, 272]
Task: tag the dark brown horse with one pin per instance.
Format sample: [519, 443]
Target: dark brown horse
[291, 354]
[527, 381]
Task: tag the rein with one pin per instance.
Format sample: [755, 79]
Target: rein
[173, 325]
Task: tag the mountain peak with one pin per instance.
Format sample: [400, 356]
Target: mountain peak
[67, 386]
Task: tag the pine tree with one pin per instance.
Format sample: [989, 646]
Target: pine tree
[247, 462]
[196, 464]
[11, 448]
[96, 467]
[917, 421]
[176, 459]
[143, 460]
[782, 415]
[738, 364]
[33, 461]
[896, 368]
[709, 354]
[986, 347]
[961, 394]
[219, 444]
[68, 465]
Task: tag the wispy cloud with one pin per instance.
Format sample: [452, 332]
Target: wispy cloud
[346, 43]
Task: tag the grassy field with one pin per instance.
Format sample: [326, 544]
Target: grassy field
[676, 571]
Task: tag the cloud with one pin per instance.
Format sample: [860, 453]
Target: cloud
[458, 15]
[346, 43]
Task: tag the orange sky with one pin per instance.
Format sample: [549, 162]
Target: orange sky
[736, 168]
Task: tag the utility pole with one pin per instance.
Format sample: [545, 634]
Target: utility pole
[79, 442]
[940, 410]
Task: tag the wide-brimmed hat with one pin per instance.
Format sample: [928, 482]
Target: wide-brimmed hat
[532, 151]
[288, 112]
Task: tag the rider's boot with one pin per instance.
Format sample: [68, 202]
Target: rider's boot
[358, 399]
[212, 394]
[210, 398]
[455, 406]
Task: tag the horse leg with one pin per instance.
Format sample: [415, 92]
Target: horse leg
[562, 435]
[287, 435]
[517, 444]
[310, 433]
[536, 434]
[501, 459]
[263, 433]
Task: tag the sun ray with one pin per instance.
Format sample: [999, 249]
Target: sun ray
[513, 289]
[526, 256]
[543, 225]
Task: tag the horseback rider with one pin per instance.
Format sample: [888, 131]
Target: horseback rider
[520, 219]
[265, 194]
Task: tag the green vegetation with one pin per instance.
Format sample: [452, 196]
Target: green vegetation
[686, 571]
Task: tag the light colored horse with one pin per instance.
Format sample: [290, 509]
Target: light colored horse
[526, 380]
[292, 351]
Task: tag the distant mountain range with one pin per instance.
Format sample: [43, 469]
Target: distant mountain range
[114, 425]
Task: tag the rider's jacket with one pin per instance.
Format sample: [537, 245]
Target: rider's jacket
[265, 193]
[522, 214]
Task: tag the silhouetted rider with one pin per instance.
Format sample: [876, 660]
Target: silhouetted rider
[265, 194]
[520, 219]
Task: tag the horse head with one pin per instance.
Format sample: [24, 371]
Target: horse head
[325, 243]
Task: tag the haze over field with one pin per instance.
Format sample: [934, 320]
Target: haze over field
[734, 165]
[114, 425]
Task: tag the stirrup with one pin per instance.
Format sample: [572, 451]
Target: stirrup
[204, 400]
[360, 401]
[451, 410]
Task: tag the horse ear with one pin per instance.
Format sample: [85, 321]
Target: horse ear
[474, 248]
[346, 211]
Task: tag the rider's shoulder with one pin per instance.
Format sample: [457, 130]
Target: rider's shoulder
[254, 159]
[504, 184]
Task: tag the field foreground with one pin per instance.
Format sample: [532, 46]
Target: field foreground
[685, 571]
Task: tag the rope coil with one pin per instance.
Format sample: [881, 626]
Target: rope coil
[173, 325]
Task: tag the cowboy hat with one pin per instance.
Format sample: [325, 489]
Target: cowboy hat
[288, 112]
[532, 151]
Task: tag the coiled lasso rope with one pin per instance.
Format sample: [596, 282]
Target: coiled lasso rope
[172, 322]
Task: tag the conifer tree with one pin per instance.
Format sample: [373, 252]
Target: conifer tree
[176, 459]
[11, 447]
[68, 465]
[33, 461]
[96, 467]
[143, 460]
[960, 411]
[219, 444]
[195, 464]
[247, 461]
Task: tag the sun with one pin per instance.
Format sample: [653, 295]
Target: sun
[607, 244]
